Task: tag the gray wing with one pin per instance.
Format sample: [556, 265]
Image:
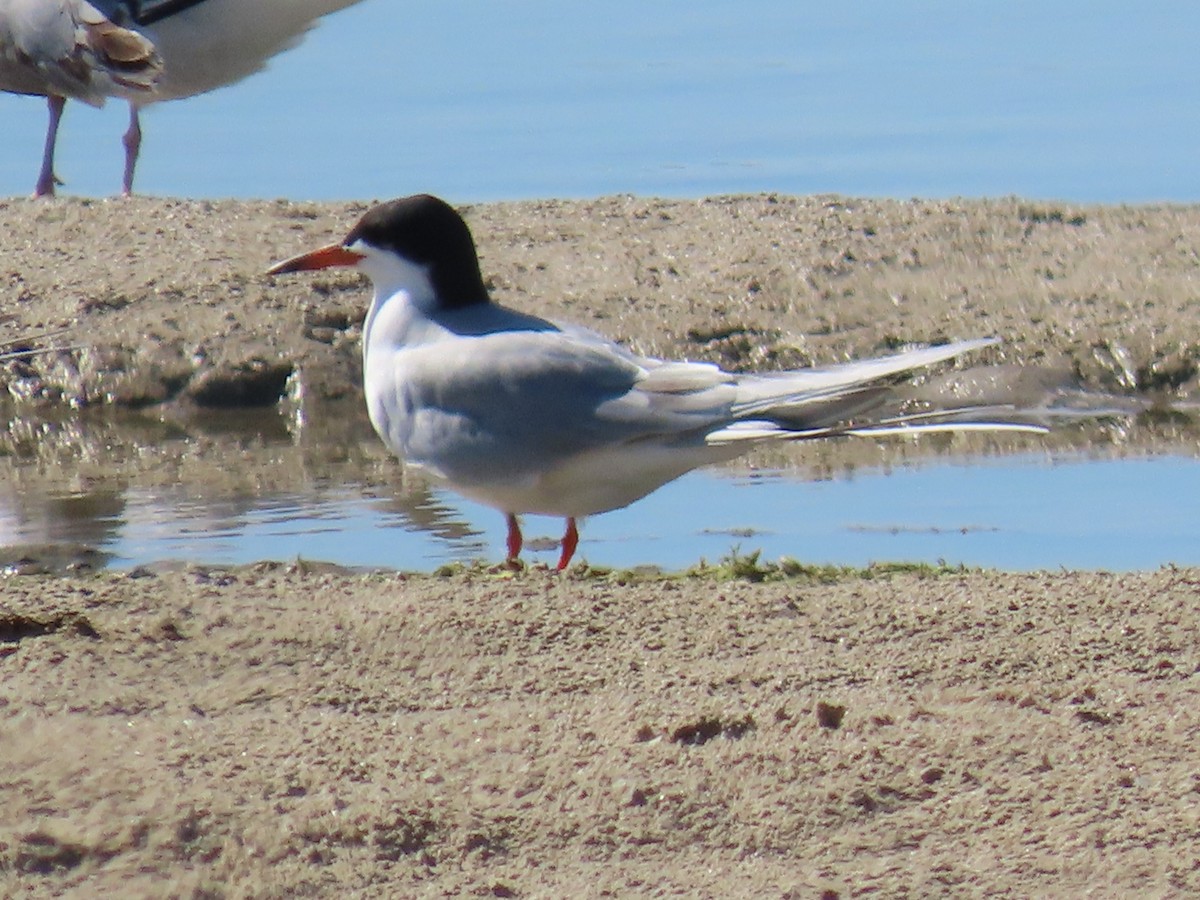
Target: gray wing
[510, 403]
[505, 403]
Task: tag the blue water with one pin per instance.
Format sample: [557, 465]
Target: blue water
[1016, 513]
[1082, 100]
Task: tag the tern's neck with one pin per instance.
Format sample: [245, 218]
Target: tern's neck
[403, 294]
[405, 281]
[394, 319]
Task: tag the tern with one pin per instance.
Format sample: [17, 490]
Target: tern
[527, 415]
[142, 51]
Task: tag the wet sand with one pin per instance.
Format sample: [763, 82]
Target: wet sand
[274, 731]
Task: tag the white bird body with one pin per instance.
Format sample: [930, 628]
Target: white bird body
[457, 396]
[529, 416]
[457, 393]
[142, 51]
[214, 43]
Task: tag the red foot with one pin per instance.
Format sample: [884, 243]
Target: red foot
[515, 541]
[569, 542]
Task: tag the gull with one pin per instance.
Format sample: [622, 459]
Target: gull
[69, 48]
[141, 51]
[527, 415]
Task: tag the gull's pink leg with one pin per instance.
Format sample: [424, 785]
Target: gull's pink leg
[569, 542]
[514, 538]
[46, 179]
[132, 140]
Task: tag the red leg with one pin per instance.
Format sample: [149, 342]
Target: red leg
[514, 538]
[569, 542]
[46, 178]
[133, 144]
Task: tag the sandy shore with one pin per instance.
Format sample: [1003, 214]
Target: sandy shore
[267, 731]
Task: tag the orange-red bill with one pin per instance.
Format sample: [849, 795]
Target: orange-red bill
[323, 258]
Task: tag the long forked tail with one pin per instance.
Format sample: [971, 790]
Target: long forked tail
[962, 418]
[852, 399]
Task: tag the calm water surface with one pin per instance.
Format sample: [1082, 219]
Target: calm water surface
[1021, 513]
[1031, 510]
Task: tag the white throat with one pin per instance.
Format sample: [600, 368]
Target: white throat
[402, 287]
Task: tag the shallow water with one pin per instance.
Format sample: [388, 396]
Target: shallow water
[1017, 513]
[148, 493]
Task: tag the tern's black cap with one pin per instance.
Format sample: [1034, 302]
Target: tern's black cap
[429, 232]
